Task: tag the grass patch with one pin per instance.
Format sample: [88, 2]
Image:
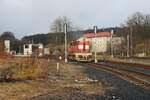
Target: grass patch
[25, 69]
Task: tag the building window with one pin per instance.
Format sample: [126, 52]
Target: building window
[26, 46]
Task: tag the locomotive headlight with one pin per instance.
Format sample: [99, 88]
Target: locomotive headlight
[80, 46]
[86, 46]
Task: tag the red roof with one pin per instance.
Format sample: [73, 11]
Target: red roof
[99, 34]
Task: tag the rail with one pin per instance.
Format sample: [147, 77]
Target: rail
[136, 77]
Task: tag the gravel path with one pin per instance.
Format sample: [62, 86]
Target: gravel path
[122, 89]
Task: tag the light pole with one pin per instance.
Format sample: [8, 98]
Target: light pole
[95, 32]
[128, 44]
[112, 54]
[65, 31]
[131, 42]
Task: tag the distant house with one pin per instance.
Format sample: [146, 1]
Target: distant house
[102, 40]
[33, 49]
[7, 46]
[46, 51]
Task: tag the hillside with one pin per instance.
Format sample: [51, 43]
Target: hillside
[51, 38]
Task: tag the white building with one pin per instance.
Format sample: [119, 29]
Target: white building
[101, 42]
[33, 49]
[7, 46]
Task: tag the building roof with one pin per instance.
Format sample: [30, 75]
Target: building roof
[99, 34]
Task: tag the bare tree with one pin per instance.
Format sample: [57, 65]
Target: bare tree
[140, 25]
[138, 28]
[58, 24]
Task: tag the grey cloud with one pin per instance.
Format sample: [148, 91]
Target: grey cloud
[35, 16]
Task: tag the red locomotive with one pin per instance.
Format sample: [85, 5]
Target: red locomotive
[79, 50]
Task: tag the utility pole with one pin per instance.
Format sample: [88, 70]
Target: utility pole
[128, 44]
[95, 32]
[65, 31]
[19, 49]
[131, 41]
[111, 40]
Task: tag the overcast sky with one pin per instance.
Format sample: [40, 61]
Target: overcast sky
[25, 17]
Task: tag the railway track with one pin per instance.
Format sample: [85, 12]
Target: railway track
[130, 64]
[137, 69]
[136, 77]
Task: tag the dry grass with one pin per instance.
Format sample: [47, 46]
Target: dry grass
[68, 80]
[21, 69]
